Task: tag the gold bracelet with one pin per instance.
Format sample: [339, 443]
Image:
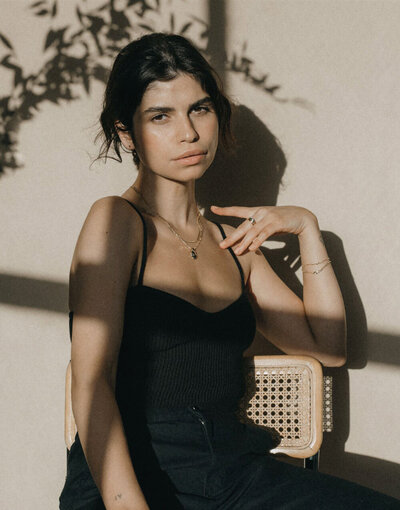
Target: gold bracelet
[317, 270]
[316, 263]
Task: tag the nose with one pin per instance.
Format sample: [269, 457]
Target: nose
[187, 132]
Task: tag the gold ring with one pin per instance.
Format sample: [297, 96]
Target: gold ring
[252, 220]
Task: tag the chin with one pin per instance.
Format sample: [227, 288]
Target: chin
[194, 172]
[186, 173]
[189, 174]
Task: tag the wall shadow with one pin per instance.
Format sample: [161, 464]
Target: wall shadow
[383, 348]
[378, 474]
[251, 175]
[34, 293]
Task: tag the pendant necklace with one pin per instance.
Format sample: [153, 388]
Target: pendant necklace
[192, 249]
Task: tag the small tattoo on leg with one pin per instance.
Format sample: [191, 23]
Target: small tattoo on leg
[118, 496]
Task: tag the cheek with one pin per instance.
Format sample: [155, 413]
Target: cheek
[213, 132]
[151, 142]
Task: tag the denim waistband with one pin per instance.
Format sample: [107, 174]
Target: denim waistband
[187, 412]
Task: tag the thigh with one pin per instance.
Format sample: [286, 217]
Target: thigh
[92, 505]
[268, 483]
[170, 457]
[79, 491]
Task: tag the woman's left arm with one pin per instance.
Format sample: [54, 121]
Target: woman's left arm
[315, 325]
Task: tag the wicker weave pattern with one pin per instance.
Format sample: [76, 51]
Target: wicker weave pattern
[282, 402]
[285, 394]
[328, 408]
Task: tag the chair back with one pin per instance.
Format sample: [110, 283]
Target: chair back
[69, 420]
[285, 393]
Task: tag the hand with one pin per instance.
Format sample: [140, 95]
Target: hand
[270, 220]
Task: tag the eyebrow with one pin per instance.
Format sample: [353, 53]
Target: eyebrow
[166, 109]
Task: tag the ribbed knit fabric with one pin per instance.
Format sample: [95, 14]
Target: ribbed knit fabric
[174, 354]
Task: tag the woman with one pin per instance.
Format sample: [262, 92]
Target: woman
[165, 302]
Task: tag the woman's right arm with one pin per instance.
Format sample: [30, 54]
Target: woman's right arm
[100, 273]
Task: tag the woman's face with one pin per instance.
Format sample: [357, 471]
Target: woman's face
[175, 117]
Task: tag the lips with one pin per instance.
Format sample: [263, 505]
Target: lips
[188, 154]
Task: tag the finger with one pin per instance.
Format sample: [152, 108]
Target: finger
[236, 235]
[252, 236]
[258, 241]
[235, 210]
[248, 239]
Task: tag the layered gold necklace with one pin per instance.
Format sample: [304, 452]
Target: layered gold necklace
[192, 249]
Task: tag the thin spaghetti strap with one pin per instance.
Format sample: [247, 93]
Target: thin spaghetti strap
[233, 255]
[144, 253]
[71, 318]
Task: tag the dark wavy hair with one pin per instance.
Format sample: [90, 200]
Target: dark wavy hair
[156, 56]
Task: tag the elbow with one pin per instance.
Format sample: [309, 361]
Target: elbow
[85, 391]
[90, 386]
[336, 357]
[334, 361]
[90, 380]
[333, 354]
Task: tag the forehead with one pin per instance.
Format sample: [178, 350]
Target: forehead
[181, 89]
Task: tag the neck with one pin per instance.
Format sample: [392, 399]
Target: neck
[174, 201]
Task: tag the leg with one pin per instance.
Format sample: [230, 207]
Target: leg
[273, 485]
[94, 505]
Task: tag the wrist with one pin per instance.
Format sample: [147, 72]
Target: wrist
[310, 224]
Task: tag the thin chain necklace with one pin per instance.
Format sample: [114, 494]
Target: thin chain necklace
[192, 249]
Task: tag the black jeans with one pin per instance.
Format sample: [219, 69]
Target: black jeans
[193, 459]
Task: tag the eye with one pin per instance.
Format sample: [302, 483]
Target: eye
[201, 108]
[158, 117]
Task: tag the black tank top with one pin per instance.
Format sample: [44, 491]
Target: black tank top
[174, 354]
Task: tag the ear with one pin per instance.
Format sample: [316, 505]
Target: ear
[124, 136]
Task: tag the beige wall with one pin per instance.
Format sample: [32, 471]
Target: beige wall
[341, 58]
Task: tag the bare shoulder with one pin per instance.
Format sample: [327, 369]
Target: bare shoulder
[116, 207]
[107, 248]
[114, 211]
[110, 225]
